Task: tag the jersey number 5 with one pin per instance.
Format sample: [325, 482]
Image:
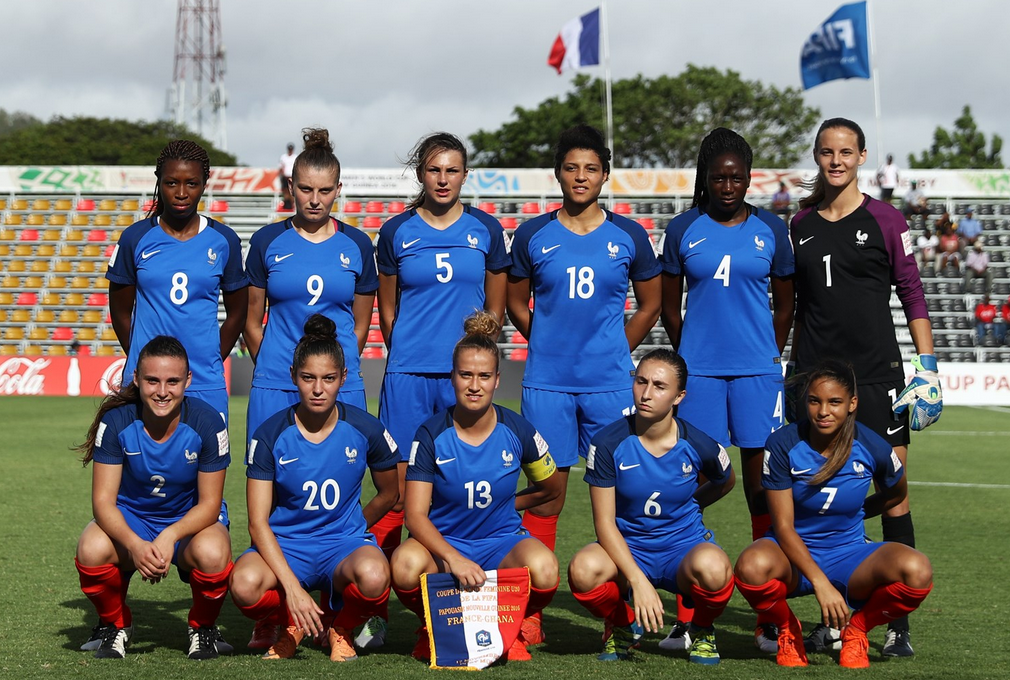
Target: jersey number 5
[442, 262]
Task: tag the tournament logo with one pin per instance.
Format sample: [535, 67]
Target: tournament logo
[352, 455]
[612, 250]
[507, 457]
[211, 256]
[482, 638]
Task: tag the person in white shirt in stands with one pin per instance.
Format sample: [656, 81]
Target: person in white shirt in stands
[926, 246]
[887, 178]
[287, 166]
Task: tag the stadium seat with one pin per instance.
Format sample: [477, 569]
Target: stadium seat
[86, 334]
[124, 220]
[62, 333]
[12, 220]
[11, 282]
[352, 207]
[371, 222]
[86, 267]
[396, 207]
[25, 298]
[14, 333]
[101, 283]
[531, 208]
[32, 282]
[69, 316]
[45, 316]
[517, 338]
[16, 266]
[51, 235]
[106, 351]
[3, 203]
[509, 223]
[63, 267]
[80, 220]
[201, 206]
[375, 207]
[130, 204]
[519, 354]
[98, 300]
[80, 282]
[38, 334]
[46, 250]
[91, 316]
[75, 235]
[116, 235]
[19, 204]
[69, 251]
[98, 235]
[86, 204]
[109, 334]
[5, 250]
[29, 235]
[63, 204]
[21, 316]
[6, 298]
[41, 204]
[36, 220]
[102, 221]
[91, 250]
[38, 266]
[73, 300]
[488, 207]
[647, 223]
[107, 204]
[33, 350]
[57, 220]
[8, 350]
[51, 299]
[375, 336]
[219, 206]
[3, 316]
[57, 281]
[57, 350]
[148, 206]
[23, 250]
[372, 353]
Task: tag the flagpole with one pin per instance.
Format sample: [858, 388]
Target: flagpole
[876, 81]
[610, 103]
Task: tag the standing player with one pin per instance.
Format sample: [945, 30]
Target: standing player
[438, 262]
[160, 459]
[850, 249]
[308, 529]
[577, 263]
[728, 252]
[817, 474]
[168, 269]
[461, 505]
[643, 472]
[308, 263]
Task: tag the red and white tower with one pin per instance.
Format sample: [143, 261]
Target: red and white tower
[197, 98]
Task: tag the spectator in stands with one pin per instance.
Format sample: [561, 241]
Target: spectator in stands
[968, 230]
[284, 174]
[887, 178]
[976, 264]
[781, 202]
[1002, 322]
[915, 203]
[986, 315]
[944, 225]
[926, 247]
[950, 250]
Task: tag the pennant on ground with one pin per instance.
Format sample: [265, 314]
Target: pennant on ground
[839, 48]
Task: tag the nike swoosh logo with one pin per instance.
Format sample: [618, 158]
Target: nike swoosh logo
[794, 471]
[405, 244]
[440, 461]
[145, 255]
[281, 258]
[622, 466]
[546, 250]
[285, 462]
[132, 453]
[895, 430]
[804, 240]
[692, 244]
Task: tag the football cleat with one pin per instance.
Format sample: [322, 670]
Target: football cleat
[373, 634]
[703, 649]
[766, 638]
[620, 642]
[113, 645]
[677, 639]
[341, 647]
[854, 649]
[822, 638]
[287, 644]
[98, 634]
[897, 643]
[202, 643]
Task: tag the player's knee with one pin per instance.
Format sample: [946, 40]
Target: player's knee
[407, 565]
[918, 571]
[710, 568]
[210, 554]
[543, 566]
[246, 585]
[754, 566]
[585, 572]
[372, 577]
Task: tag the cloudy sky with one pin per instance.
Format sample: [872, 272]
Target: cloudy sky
[379, 74]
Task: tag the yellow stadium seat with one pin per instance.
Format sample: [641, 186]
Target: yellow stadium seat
[109, 334]
[73, 300]
[14, 333]
[130, 204]
[40, 266]
[80, 220]
[6, 298]
[31, 282]
[57, 219]
[20, 316]
[80, 282]
[124, 220]
[101, 283]
[3, 315]
[45, 250]
[11, 282]
[16, 266]
[23, 250]
[114, 237]
[106, 351]
[57, 350]
[103, 266]
[40, 204]
[68, 251]
[19, 204]
[45, 316]
[86, 267]
[38, 334]
[12, 220]
[92, 250]
[64, 204]
[92, 316]
[52, 234]
[57, 282]
[102, 220]
[35, 220]
[86, 334]
[63, 267]
[201, 206]
[33, 350]
[8, 350]
[3, 203]
[5, 250]
[75, 235]
[69, 316]
[8, 235]
[107, 204]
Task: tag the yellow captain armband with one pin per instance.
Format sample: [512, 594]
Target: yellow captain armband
[541, 468]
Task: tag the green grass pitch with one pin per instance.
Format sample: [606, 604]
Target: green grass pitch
[960, 492]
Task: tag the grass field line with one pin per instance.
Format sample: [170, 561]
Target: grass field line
[964, 485]
[997, 409]
[994, 433]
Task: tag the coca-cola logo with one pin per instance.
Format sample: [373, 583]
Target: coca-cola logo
[113, 376]
[19, 375]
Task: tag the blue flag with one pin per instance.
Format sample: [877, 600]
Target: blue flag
[839, 48]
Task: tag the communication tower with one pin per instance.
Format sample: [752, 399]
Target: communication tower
[197, 97]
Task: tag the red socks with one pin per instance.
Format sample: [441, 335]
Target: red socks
[103, 585]
[208, 596]
[543, 528]
[888, 603]
[708, 604]
[412, 600]
[605, 602]
[540, 599]
[270, 607]
[357, 608]
[767, 599]
[759, 525]
[388, 532]
[685, 614]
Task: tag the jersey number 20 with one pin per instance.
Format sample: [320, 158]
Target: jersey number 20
[327, 493]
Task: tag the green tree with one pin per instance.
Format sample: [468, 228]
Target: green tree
[964, 147]
[98, 141]
[11, 122]
[659, 122]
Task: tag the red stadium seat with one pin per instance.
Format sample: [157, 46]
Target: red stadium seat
[62, 333]
[148, 205]
[27, 299]
[98, 235]
[553, 205]
[29, 235]
[86, 204]
[647, 223]
[622, 208]
[509, 223]
[396, 207]
[627, 304]
[517, 338]
[98, 300]
[372, 353]
[488, 207]
[519, 354]
[375, 319]
[352, 207]
[375, 335]
[374, 207]
[219, 206]
[531, 208]
[372, 222]
[109, 249]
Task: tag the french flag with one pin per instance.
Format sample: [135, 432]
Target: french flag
[578, 44]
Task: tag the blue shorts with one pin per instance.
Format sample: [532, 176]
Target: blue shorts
[314, 561]
[487, 552]
[660, 566]
[263, 403]
[218, 399]
[569, 420]
[354, 398]
[149, 529]
[838, 564]
[409, 399]
[749, 408]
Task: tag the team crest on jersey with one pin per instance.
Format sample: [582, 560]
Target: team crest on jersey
[352, 455]
[759, 244]
[211, 256]
[345, 261]
[861, 237]
[191, 456]
[507, 458]
[858, 468]
[612, 250]
[472, 240]
[687, 469]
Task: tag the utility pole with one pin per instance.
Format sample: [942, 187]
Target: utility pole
[197, 97]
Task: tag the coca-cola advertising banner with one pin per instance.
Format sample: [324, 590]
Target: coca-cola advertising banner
[64, 376]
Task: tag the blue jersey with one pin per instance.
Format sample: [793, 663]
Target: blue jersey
[580, 285]
[317, 487]
[440, 274]
[727, 270]
[655, 506]
[159, 480]
[474, 487]
[302, 278]
[177, 284]
[831, 514]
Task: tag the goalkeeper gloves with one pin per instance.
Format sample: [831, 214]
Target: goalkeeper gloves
[922, 394]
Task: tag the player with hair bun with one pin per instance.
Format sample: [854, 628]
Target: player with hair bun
[308, 263]
[160, 458]
[305, 467]
[462, 509]
[644, 472]
[576, 263]
[729, 252]
[816, 477]
[850, 249]
[438, 262]
[168, 269]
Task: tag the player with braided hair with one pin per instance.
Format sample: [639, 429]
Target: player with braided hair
[167, 272]
[728, 252]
